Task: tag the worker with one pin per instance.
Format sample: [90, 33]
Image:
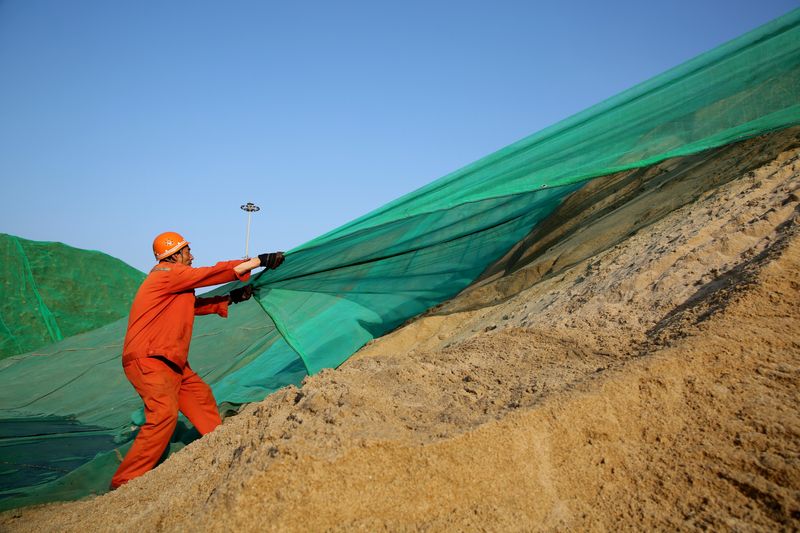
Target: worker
[154, 355]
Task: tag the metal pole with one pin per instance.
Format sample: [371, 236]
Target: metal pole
[251, 208]
[247, 239]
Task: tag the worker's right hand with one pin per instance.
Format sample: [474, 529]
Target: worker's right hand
[271, 260]
[241, 294]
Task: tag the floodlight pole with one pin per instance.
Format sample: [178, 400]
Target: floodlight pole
[251, 208]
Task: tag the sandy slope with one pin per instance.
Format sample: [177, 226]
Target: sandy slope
[633, 364]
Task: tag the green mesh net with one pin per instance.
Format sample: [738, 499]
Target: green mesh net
[68, 414]
[51, 291]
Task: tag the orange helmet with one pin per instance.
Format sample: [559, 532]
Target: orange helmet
[167, 244]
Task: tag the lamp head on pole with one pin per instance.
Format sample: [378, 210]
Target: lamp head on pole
[250, 207]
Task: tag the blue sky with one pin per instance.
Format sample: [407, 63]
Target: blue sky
[119, 120]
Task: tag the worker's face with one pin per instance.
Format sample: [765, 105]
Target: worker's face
[184, 256]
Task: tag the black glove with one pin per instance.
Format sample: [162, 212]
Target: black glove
[241, 294]
[271, 260]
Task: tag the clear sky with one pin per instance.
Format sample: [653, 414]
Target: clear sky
[119, 120]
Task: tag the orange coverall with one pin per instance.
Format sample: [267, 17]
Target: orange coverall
[154, 357]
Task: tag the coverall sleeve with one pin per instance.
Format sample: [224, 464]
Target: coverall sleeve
[192, 278]
[209, 306]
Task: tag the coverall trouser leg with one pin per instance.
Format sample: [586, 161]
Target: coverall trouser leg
[164, 392]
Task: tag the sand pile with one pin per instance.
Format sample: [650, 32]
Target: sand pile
[634, 363]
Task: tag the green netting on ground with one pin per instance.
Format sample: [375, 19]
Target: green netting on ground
[50, 291]
[71, 404]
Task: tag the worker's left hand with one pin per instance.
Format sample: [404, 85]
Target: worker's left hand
[241, 294]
